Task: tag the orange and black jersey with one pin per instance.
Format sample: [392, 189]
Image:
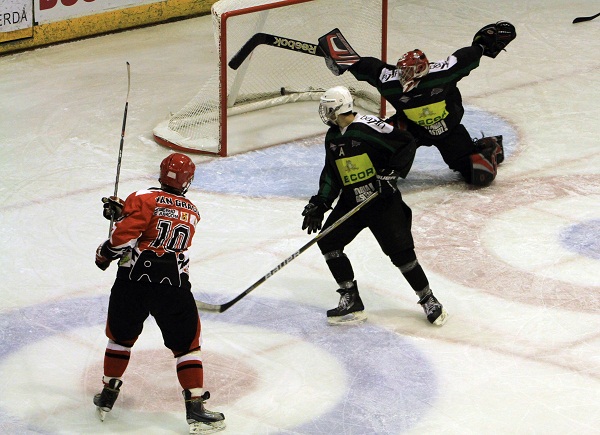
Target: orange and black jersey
[355, 154]
[435, 104]
[153, 235]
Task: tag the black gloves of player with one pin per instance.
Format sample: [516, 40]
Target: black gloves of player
[101, 261]
[495, 37]
[387, 182]
[113, 207]
[313, 213]
[105, 254]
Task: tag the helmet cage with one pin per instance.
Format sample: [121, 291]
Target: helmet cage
[334, 102]
[177, 171]
[412, 66]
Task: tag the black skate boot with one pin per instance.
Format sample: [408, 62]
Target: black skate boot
[201, 420]
[434, 310]
[349, 310]
[105, 400]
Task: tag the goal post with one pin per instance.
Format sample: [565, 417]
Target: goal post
[226, 114]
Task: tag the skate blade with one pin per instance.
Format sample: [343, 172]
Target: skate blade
[354, 318]
[206, 428]
[100, 413]
[442, 318]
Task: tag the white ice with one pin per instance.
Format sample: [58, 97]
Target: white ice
[515, 264]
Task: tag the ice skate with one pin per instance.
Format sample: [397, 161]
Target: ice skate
[434, 310]
[350, 309]
[201, 420]
[105, 400]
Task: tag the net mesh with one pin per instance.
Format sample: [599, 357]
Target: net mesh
[272, 76]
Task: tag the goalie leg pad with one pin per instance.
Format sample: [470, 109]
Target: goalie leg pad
[483, 167]
[494, 142]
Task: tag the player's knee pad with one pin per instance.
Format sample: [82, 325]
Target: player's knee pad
[404, 260]
[331, 255]
[483, 167]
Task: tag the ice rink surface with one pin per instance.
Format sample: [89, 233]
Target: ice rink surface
[517, 265]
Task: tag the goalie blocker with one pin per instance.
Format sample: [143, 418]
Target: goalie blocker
[339, 54]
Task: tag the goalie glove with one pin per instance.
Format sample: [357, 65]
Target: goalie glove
[113, 207]
[493, 38]
[339, 55]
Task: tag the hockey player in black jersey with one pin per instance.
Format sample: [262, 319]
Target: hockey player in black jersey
[427, 100]
[365, 155]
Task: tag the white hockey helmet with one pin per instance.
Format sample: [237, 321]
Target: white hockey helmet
[334, 102]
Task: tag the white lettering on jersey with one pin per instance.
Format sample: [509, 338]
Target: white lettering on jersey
[442, 65]
[388, 75]
[374, 122]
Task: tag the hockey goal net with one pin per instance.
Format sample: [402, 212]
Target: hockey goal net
[225, 116]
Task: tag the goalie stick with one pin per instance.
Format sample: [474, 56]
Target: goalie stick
[582, 19]
[273, 41]
[332, 46]
[203, 306]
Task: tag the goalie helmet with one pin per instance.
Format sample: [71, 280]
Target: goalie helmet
[177, 171]
[412, 66]
[334, 102]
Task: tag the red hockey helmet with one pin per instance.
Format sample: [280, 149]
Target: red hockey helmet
[177, 171]
[412, 66]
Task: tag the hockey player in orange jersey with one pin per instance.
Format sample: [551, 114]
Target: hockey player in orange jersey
[151, 235]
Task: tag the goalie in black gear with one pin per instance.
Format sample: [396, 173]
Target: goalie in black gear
[428, 102]
[365, 155]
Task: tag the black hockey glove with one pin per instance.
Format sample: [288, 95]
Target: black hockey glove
[495, 37]
[313, 213]
[101, 261]
[105, 254]
[113, 207]
[387, 182]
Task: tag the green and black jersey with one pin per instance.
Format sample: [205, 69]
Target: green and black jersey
[435, 104]
[356, 153]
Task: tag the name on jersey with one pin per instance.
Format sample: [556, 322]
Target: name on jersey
[176, 202]
[375, 123]
[295, 45]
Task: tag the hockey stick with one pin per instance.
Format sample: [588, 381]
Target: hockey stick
[582, 19]
[273, 41]
[203, 306]
[121, 144]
